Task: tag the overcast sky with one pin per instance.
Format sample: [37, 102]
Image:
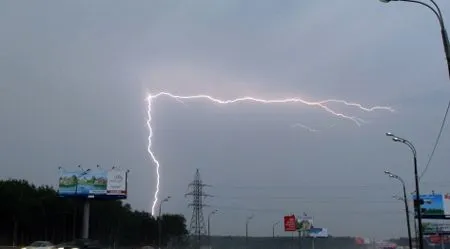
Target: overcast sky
[74, 77]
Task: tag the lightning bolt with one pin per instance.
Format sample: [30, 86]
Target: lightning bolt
[321, 104]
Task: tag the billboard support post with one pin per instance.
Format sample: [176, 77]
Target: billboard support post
[86, 213]
[87, 184]
[300, 239]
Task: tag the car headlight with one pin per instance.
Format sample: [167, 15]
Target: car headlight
[75, 248]
[24, 248]
[61, 248]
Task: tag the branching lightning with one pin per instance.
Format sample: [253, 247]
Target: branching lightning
[320, 104]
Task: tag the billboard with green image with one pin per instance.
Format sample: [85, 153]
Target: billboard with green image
[93, 183]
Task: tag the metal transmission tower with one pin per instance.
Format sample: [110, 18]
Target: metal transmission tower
[197, 227]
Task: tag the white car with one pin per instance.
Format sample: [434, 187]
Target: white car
[40, 245]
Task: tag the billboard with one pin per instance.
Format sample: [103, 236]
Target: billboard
[435, 206]
[435, 239]
[317, 232]
[305, 223]
[98, 183]
[290, 224]
[436, 228]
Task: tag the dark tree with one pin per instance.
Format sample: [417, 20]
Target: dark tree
[30, 213]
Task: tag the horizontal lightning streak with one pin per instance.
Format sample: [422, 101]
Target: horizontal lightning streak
[321, 104]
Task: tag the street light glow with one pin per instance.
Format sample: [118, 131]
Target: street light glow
[396, 139]
[390, 174]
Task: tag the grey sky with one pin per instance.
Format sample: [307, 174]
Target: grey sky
[74, 77]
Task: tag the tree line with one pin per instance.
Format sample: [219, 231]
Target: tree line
[29, 213]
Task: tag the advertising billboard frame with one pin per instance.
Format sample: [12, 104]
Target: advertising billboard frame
[305, 223]
[432, 228]
[290, 223]
[318, 232]
[93, 183]
[434, 207]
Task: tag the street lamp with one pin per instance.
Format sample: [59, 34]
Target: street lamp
[209, 226]
[437, 11]
[249, 218]
[417, 201]
[391, 175]
[410, 214]
[159, 221]
[273, 228]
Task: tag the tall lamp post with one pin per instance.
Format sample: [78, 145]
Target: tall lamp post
[209, 226]
[405, 200]
[273, 228]
[160, 222]
[410, 214]
[437, 11]
[417, 201]
[249, 218]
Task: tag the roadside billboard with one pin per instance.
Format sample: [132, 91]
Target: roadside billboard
[446, 200]
[98, 183]
[317, 232]
[436, 228]
[305, 223]
[433, 206]
[290, 224]
[433, 240]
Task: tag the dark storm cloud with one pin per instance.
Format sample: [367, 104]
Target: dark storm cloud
[75, 76]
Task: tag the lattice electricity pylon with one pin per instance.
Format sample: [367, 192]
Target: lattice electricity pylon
[197, 226]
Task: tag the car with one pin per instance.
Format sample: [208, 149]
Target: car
[40, 245]
[79, 244]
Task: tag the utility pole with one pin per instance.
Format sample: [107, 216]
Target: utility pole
[160, 221]
[197, 226]
[209, 226]
[249, 218]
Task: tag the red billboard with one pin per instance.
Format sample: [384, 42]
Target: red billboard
[290, 224]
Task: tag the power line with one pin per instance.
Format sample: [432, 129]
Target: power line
[437, 142]
[353, 187]
[326, 199]
[284, 211]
